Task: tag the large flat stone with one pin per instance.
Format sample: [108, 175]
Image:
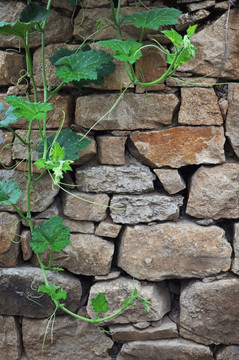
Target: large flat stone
[228, 352]
[179, 146]
[134, 111]
[232, 124]
[9, 239]
[11, 65]
[209, 312]
[10, 345]
[116, 291]
[18, 285]
[214, 192]
[134, 209]
[182, 250]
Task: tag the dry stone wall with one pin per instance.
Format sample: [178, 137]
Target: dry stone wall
[169, 158]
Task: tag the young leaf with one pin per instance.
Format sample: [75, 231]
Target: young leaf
[191, 30]
[100, 304]
[51, 232]
[18, 28]
[8, 118]
[146, 304]
[57, 152]
[9, 192]
[55, 292]
[28, 110]
[174, 36]
[127, 50]
[69, 140]
[152, 19]
[34, 12]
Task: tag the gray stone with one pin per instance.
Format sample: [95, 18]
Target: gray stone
[209, 312]
[131, 178]
[116, 291]
[214, 192]
[176, 349]
[232, 125]
[134, 209]
[142, 324]
[182, 250]
[166, 329]
[111, 150]
[235, 262]
[171, 180]
[73, 339]
[112, 275]
[84, 227]
[188, 19]
[228, 353]
[11, 65]
[19, 286]
[82, 206]
[9, 239]
[108, 229]
[10, 346]
[25, 245]
[134, 111]
[201, 5]
[42, 191]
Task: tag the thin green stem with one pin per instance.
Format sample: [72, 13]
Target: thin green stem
[43, 268]
[30, 68]
[116, 16]
[19, 212]
[130, 75]
[142, 35]
[40, 176]
[29, 180]
[53, 93]
[18, 136]
[50, 261]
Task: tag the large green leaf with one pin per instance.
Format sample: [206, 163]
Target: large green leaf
[152, 19]
[28, 110]
[67, 139]
[82, 65]
[51, 232]
[9, 117]
[34, 12]
[127, 50]
[173, 36]
[100, 304]
[18, 28]
[9, 192]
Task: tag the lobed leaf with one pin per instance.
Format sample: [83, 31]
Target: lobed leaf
[173, 36]
[10, 193]
[127, 50]
[100, 304]
[152, 19]
[18, 28]
[191, 30]
[9, 117]
[55, 292]
[34, 12]
[51, 232]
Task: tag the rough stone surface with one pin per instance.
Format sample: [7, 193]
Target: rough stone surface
[210, 49]
[228, 353]
[77, 226]
[188, 19]
[73, 339]
[176, 349]
[88, 153]
[108, 229]
[81, 206]
[38, 202]
[111, 150]
[169, 250]
[6, 139]
[25, 245]
[235, 262]
[18, 284]
[201, 5]
[171, 180]
[179, 146]
[232, 126]
[132, 178]
[165, 329]
[133, 112]
[134, 209]
[209, 311]
[119, 289]
[11, 64]
[10, 346]
[9, 239]
[199, 107]
[214, 192]
[86, 255]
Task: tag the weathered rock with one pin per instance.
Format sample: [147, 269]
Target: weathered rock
[9, 239]
[11, 64]
[119, 289]
[176, 349]
[199, 107]
[171, 180]
[10, 346]
[132, 178]
[111, 150]
[228, 353]
[188, 19]
[144, 324]
[73, 339]
[211, 48]
[214, 192]
[112, 275]
[84, 227]
[169, 250]
[209, 311]
[91, 4]
[108, 229]
[86, 255]
[25, 245]
[221, 6]
[64, 4]
[6, 139]
[184, 80]
[133, 112]
[134, 209]
[42, 194]
[18, 284]
[166, 329]
[81, 206]
[179, 146]
[235, 262]
[232, 126]
[223, 105]
[88, 153]
[201, 5]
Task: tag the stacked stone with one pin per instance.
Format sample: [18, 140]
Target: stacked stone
[164, 168]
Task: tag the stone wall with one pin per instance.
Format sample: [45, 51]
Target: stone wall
[169, 158]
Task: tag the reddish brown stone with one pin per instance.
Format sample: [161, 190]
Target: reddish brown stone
[9, 239]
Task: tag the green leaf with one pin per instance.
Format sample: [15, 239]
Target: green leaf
[100, 304]
[127, 50]
[63, 52]
[146, 304]
[8, 118]
[57, 152]
[51, 232]
[174, 36]
[9, 192]
[191, 30]
[68, 139]
[28, 110]
[18, 28]
[34, 12]
[82, 65]
[55, 292]
[1, 107]
[152, 19]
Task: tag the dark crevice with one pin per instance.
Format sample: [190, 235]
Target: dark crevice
[114, 351]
